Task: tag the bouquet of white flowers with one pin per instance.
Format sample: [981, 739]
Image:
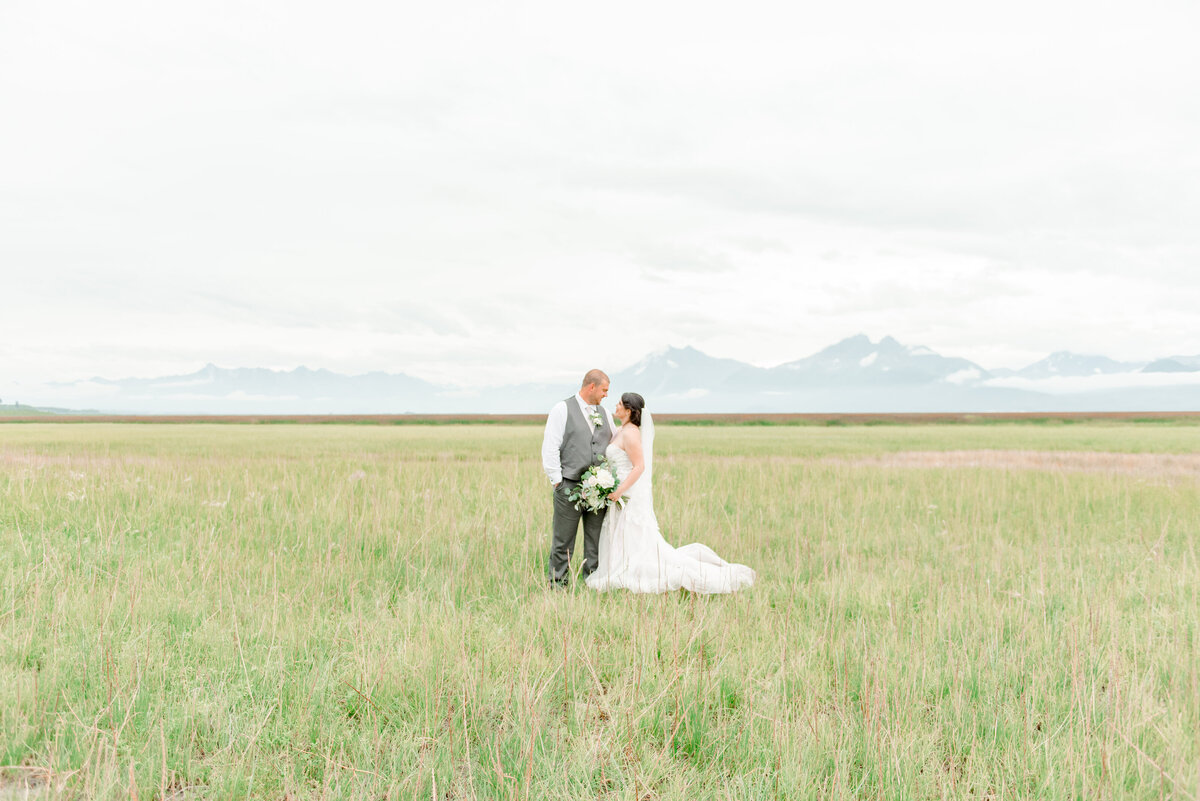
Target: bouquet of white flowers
[595, 485]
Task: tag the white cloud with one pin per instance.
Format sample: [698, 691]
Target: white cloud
[963, 376]
[1061, 385]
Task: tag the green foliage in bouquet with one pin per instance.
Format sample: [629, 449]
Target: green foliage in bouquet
[595, 485]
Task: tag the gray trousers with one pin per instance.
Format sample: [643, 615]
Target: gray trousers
[566, 534]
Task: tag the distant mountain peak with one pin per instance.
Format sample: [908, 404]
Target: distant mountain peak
[675, 371]
[854, 374]
[857, 360]
[1175, 364]
[1068, 363]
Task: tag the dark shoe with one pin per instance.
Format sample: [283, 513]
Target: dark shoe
[560, 584]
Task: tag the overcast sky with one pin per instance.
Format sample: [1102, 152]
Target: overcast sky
[487, 192]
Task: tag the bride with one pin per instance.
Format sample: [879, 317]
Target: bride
[633, 554]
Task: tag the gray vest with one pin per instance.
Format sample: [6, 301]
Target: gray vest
[583, 444]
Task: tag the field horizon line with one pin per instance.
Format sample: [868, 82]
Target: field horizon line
[685, 419]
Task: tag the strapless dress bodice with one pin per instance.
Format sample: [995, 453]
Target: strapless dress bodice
[618, 459]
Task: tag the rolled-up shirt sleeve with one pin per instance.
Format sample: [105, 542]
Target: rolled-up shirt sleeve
[556, 426]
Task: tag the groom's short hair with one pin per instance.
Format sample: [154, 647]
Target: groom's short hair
[594, 377]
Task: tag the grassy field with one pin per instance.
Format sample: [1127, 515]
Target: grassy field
[191, 611]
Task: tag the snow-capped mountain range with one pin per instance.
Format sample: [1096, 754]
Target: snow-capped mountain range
[854, 375]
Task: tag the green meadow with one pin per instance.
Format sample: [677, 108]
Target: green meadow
[294, 612]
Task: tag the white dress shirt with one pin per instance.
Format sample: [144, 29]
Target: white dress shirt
[556, 429]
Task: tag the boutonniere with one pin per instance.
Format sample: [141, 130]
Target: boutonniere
[596, 419]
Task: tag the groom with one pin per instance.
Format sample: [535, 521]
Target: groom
[577, 432]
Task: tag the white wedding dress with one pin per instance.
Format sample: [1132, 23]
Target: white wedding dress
[633, 554]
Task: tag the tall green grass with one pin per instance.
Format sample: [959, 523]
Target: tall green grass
[349, 612]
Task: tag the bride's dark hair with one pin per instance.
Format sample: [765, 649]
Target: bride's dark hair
[634, 403]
